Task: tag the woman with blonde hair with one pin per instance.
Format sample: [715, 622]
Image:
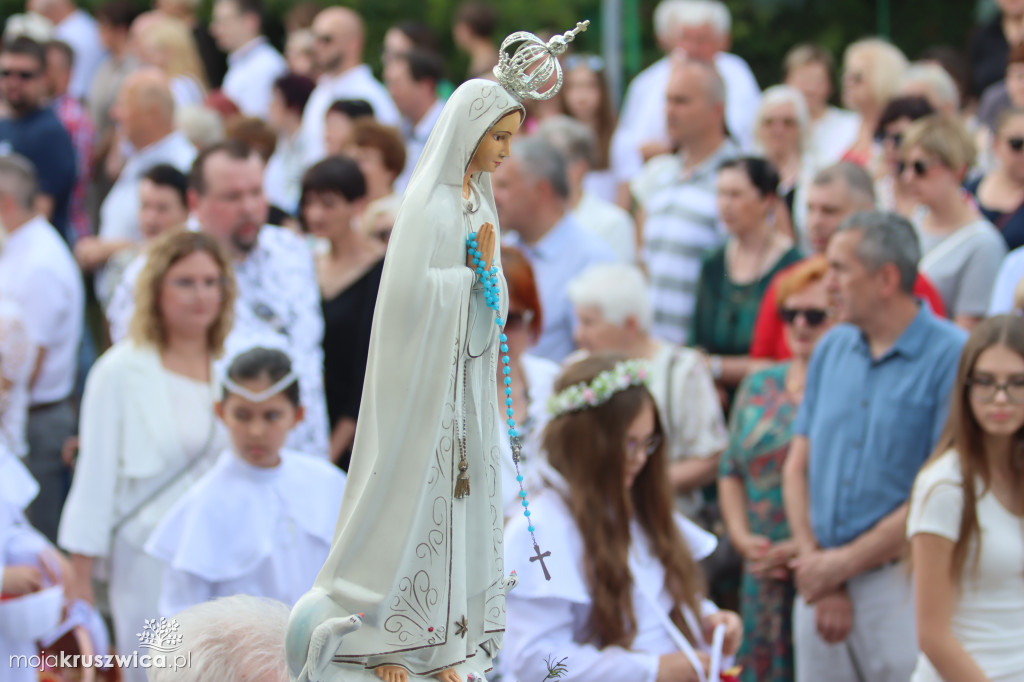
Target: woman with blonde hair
[167, 44]
[872, 70]
[966, 518]
[148, 430]
[962, 251]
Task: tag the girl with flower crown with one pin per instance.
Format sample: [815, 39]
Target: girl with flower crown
[625, 599]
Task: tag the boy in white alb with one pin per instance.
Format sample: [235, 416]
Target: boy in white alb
[261, 521]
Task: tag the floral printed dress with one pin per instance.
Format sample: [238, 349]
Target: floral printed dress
[759, 436]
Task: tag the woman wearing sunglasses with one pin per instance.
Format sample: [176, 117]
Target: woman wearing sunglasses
[962, 251]
[750, 483]
[890, 190]
[966, 519]
[1000, 193]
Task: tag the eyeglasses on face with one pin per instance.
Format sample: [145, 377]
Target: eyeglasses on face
[984, 389]
[647, 447]
[591, 61]
[812, 316]
[21, 75]
[920, 167]
[895, 139]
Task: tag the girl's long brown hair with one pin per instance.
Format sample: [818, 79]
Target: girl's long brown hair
[588, 449]
[964, 435]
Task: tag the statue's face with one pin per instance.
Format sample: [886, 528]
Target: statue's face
[494, 147]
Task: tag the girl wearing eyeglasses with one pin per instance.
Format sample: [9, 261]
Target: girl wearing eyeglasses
[1000, 193]
[625, 600]
[750, 483]
[966, 520]
[961, 250]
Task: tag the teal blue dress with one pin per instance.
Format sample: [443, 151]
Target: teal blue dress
[759, 435]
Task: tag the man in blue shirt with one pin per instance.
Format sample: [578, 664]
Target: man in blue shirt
[875, 402]
[33, 129]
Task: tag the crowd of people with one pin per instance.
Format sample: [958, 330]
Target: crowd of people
[812, 316]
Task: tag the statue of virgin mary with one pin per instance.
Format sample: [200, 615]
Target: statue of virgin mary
[414, 583]
[424, 567]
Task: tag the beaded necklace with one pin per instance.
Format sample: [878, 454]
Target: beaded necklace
[492, 295]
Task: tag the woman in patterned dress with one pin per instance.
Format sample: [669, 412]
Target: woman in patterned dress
[750, 478]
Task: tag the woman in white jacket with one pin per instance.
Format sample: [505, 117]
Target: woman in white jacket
[148, 430]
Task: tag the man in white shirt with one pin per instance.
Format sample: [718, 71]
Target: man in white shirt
[39, 274]
[411, 79]
[696, 30]
[278, 296]
[338, 50]
[578, 146]
[531, 191]
[253, 64]
[144, 112]
[77, 28]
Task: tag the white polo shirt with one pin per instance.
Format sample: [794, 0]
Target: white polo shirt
[252, 70]
[38, 273]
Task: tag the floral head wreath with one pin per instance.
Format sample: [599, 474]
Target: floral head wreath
[600, 390]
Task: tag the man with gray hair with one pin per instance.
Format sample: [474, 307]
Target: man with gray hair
[931, 81]
[578, 146]
[686, 29]
[835, 193]
[875, 402]
[676, 194]
[38, 274]
[231, 639]
[531, 192]
[613, 314]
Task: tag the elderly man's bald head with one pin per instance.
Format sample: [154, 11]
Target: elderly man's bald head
[145, 107]
[340, 37]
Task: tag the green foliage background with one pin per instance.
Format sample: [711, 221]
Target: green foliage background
[763, 30]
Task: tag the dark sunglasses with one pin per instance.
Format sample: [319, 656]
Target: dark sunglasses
[920, 167]
[812, 316]
[1016, 143]
[23, 75]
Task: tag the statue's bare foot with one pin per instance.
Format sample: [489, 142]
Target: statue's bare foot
[392, 673]
[448, 675]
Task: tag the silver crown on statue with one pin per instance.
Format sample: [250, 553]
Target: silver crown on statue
[527, 69]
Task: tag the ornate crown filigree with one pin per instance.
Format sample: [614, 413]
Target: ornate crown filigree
[527, 69]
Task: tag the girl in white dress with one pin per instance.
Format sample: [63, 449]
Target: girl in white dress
[625, 599]
[283, 505]
[966, 520]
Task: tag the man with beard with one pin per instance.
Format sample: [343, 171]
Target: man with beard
[34, 131]
[278, 303]
[338, 51]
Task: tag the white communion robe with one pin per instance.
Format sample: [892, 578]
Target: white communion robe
[548, 620]
[22, 545]
[425, 567]
[244, 529]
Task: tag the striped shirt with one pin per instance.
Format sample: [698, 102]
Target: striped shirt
[680, 227]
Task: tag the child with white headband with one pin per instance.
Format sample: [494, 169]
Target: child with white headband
[625, 599]
[260, 522]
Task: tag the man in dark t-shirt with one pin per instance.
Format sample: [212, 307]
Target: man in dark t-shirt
[34, 131]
